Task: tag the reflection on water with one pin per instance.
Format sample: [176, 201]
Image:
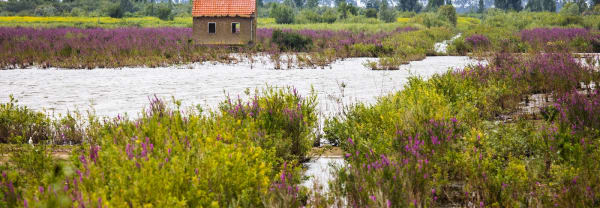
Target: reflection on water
[117, 91]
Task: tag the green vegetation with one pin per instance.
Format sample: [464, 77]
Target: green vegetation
[170, 156]
[517, 132]
[462, 137]
[475, 136]
[288, 41]
[95, 8]
[525, 32]
[282, 14]
[465, 137]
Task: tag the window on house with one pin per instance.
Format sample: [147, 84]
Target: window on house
[235, 27]
[212, 27]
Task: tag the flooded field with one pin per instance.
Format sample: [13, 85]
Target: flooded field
[118, 91]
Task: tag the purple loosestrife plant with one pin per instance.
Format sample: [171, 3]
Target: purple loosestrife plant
[537, 73]
[152, 47]
[401, 178]
[579, 111]
[284, 192]
[478, 41]
[551, 39]
[545, 35]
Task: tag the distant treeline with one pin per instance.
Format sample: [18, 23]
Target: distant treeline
[284, 11]
[164, 9]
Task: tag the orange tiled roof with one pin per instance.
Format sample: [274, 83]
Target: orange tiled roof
[220, 8]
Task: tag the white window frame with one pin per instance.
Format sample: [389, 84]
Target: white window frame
[209, 27]
[239, 27]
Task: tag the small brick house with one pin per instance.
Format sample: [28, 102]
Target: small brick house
[224, 22]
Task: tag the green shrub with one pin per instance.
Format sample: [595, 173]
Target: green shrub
[460, 47]
[443, 140]
[45, 10]
[387, 15]
[308, 16]
[115, 11]
[164, 12]
[289, 41]
[371, 13]
[571, 20]
[284, 117]
[329, 16]
[282, 13]
[236, 156]
[448, 12]
[19, 124]
[432, 20]
[571, 9]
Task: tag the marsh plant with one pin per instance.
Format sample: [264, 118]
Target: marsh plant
[441, 142]
[232, 156]
[153, 47]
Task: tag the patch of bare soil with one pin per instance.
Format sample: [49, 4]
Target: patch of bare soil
[326, 151]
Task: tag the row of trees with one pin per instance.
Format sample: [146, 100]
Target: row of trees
[287, 11]
[414, 5]
[285, 14]
[401, 5]
[164, 9]
[303, 11]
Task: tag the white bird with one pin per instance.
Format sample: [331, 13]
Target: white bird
[31, 141]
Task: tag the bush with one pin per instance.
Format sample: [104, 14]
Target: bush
[448, 12]
[432, 20]
[460, 47]
[19, 124]
[580, 111]
[164, 12]
[168, 158]
[371, 13]
[115, 11]
[478, 41]
[387, 15]
[288, 41]
[284, 117]
[45, 10]
[571, 9]
[408, 149]
[282, 13]
[566, 20]
[78, 12]
[308, 16]
[329, 16]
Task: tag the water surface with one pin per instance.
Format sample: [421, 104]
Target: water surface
[118, 91]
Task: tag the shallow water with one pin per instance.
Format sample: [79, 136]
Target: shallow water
[320, 171]
[118, 91]
[125, 91]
